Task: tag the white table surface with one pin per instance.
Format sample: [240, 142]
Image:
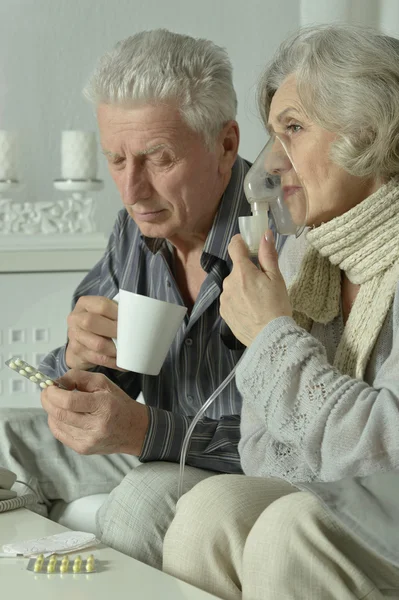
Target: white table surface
[124, 577]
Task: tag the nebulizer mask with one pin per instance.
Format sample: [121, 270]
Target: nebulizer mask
[273, 190]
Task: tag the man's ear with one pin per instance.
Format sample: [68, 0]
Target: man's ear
[227, 142]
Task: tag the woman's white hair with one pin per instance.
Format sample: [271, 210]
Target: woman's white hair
[348, 82]
[160, 66]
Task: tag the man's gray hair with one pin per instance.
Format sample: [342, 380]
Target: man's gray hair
[348, 82]
[163, 67]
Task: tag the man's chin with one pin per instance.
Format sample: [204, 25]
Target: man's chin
[154, 230]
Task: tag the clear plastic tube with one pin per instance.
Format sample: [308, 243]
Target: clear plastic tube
[194, 422]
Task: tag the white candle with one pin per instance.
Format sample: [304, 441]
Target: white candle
[78, 155]
[8, 160]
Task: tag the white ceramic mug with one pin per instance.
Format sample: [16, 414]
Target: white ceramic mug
[146, 330]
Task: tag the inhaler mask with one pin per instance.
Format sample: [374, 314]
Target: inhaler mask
[272, 183]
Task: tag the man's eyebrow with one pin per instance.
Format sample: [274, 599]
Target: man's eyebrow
[145, 152]
[151, 150]
[110, 154]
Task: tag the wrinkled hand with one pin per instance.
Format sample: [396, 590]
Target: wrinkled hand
[94, 416]
[91, 325]
[253, 297]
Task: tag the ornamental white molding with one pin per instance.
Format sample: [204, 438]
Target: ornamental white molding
[73, 215]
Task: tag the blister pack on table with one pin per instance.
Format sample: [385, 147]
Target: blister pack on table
[65, 565]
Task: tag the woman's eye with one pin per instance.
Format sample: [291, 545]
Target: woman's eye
[293, 128]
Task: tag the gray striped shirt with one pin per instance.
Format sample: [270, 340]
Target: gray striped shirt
[199, 359]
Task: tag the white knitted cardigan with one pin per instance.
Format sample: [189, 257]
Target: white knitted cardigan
[364, 243]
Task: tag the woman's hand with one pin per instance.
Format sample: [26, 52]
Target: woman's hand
[253, 297]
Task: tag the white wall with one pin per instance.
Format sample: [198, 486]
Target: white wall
[48, 48]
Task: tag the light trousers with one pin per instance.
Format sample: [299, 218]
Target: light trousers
[142, 499]
[251, 538]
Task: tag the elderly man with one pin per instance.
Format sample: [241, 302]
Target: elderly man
[166, 111]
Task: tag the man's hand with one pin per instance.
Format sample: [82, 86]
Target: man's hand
[252, 297]
[94, 416]
[91, 325]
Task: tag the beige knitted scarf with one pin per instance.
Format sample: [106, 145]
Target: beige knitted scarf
[364, 243]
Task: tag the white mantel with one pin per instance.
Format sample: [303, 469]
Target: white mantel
[61, 252]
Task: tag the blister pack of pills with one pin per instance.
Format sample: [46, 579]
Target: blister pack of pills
[65, 565]
[26, 370]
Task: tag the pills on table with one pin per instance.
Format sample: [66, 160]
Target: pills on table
[63, 567]
[38, 566]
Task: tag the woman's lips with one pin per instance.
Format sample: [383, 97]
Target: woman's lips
[290, 189]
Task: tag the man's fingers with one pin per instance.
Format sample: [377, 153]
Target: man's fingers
[98, 305]
[54, 398]
[84, 381]
[267, 256]
[95, 343]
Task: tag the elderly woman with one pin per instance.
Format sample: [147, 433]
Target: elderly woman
[318, 515]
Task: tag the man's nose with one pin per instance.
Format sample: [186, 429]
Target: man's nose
[136, 184]
[277, 160]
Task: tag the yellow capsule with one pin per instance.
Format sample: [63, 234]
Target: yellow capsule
[65, 559]
[51, 567]
[90, 558]
[90, 566]
[64, 567]
[38, 566]
[77, 567]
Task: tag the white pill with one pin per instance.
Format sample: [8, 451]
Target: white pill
[49, 382]
[33, 378]
[22, 372]
[19, 362]
[39, 375]
[29, 369]
[12, 365]
[43, 385]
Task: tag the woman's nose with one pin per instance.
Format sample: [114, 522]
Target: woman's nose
[277, 160]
